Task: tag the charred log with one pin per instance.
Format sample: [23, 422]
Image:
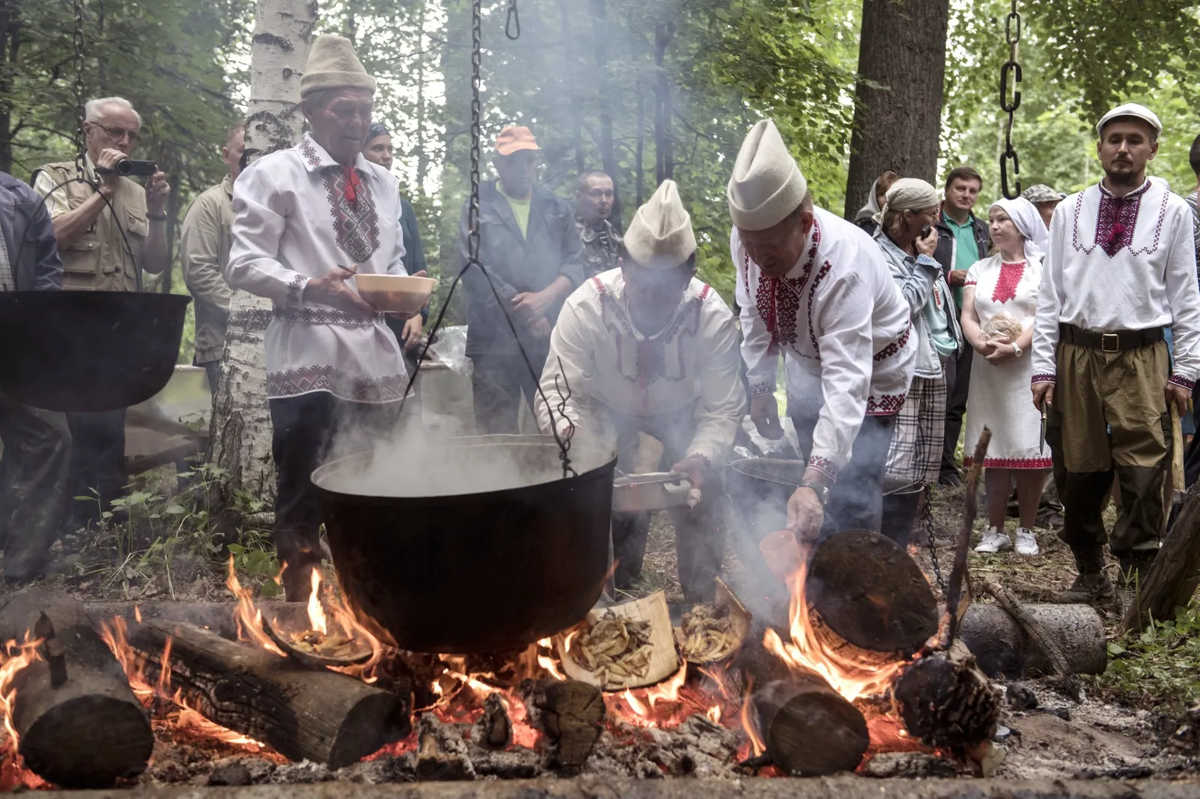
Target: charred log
[570, 714]
[946, 701]
[870, 593]
[495, 727]
[1003, 649]
[317, 715]
[78, 722]
[807, 728]
[441, 753]
[215, 616]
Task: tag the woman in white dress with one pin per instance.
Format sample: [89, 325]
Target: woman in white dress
[998, 305]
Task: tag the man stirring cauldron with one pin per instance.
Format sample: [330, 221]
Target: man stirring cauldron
[814, 287]
[305, 219]
[648, 348]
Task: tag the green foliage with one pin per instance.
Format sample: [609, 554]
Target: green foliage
[1157, 667]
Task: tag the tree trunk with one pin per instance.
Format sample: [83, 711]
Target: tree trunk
[608, 154]
[1172, 580]
[572, 91]
[903, 49]
[664, 160]
[422, 155]
[241, 422]
[78, 723]
[9, 25]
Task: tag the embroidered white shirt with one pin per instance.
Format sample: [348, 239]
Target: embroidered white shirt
[1120, 264]
[843, 327]
[293, 223]
[609, 364]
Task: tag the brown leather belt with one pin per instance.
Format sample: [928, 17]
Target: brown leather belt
[1115, 341]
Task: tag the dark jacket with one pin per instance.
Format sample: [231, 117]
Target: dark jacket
[945, 255]
[414, 251]
[516, 264]
[26, 225]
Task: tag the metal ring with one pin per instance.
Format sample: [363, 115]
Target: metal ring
[1013, 67]
[1010, 154]
[1009, 38]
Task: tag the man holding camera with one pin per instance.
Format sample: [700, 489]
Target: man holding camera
[108, 227]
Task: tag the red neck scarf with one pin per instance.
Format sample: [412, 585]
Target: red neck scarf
[351, 180]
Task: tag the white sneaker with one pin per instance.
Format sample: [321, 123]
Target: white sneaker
[1026, 542]
[994, 541]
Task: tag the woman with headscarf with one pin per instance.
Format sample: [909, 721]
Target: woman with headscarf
[908, 239]
[865, 218]
[999, 300]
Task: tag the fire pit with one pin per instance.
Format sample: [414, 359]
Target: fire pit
[435, 565]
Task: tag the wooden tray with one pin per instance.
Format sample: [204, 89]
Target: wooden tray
[740, 619]
[663, 661]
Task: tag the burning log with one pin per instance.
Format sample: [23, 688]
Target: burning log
[303, 713]
[77, 721]
[1002, 648]
[946, 701]
[441, 754]
[807, 728]
[570, 713]
[220, 617]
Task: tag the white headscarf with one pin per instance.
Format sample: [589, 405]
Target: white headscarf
[1029, 224]
[869, 210]
[908, 194]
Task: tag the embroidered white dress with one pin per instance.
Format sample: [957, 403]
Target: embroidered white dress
[1121, 263]
[297, 216]
[612, 368]
[999, 396]
[843, 328]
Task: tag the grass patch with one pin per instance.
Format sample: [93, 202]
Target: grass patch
[1159, 667]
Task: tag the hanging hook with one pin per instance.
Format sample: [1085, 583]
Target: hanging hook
[512, 24]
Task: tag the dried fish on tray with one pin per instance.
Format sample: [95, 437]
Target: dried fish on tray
[624, 646]
[711, 633]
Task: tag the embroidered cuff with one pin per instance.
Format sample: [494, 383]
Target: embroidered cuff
[295, 289]
[1183, 381]
[1041, 378]
[825, 466]
[700, 456]
[762, 387]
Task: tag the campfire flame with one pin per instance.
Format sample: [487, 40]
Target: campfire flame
[249, 618]
[850, 676]
[15, 658]
[316, 613]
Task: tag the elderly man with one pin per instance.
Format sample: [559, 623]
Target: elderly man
[108, 229]
[1045, 199]
[37, 444]
[204, 250]
[594, 195]
[305, 220]
[1121, 267]
[648, 348]
[813, 287]
[529, 247]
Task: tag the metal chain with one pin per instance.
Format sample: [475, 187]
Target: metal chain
[476, 79]
[1012, 36]
[79, 90]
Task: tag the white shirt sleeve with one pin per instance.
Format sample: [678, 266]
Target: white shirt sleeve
[1049, 306]
[758, 350]
[1183, 296]
[722, 396]
[570, 363]
[260, 216]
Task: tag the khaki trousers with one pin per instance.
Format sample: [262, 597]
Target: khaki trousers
[1123, 391]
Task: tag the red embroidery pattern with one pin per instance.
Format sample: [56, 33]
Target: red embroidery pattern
[812, 290]
[295, 288]
[355, 224]
[825, 466]
[1110, 215]
[885, 404]
[778, 299]
[1011, 463]
[895, 346]
[1006, 284]
[1042, 378]
[1182, 381]
[293, 382]
[309, 153]
[757, 389]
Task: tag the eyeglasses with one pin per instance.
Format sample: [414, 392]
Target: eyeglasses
[117, 133]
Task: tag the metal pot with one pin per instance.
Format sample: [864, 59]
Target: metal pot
[81, 351]
[470, 572]
[638, 493]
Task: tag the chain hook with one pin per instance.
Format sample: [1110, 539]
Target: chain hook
[512, 23]
[1011, 67]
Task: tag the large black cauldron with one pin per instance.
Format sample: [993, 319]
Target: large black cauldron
[82, 351]
[462, 572]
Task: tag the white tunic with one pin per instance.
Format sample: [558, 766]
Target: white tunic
[844, 329]
[611, 366]
[293, 223]
[1120, 264]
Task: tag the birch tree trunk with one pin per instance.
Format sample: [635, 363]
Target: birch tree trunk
[241, 422]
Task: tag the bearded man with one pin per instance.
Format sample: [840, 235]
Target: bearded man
[1121, 267]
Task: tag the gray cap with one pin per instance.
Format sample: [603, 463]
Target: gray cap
[1041, 193]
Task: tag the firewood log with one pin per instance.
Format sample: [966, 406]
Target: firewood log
[946, 701]
[1002, 648]
[78, 722]
[807, 728]
[570, 713]
[303, 713]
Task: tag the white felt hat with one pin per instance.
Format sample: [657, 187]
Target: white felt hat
[766, 185]
[1130, 110]
[332, 64]
[660, 235]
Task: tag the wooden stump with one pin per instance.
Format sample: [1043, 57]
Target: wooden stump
[1002, 649]
[570, 713]
[807, 728]
[946, 701]
[303, 713]
[78, 722]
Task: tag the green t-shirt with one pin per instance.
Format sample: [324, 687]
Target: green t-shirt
[966, 250]
[520, 209]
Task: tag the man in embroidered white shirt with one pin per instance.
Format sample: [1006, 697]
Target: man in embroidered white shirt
[648, 348]
[816, 289]
[1121, 267]
[300, 216]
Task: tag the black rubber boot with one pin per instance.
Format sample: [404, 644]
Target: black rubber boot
[1092, 586]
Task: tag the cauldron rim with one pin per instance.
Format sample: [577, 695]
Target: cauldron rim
[325, 470]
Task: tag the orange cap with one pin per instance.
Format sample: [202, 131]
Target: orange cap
[512, 139]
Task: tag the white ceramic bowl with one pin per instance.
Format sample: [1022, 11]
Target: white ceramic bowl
[395, 293]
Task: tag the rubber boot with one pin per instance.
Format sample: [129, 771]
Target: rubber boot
[1092, 586]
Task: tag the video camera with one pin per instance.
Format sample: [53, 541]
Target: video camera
[131, 168]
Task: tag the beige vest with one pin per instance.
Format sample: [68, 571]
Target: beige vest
[98, 260]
